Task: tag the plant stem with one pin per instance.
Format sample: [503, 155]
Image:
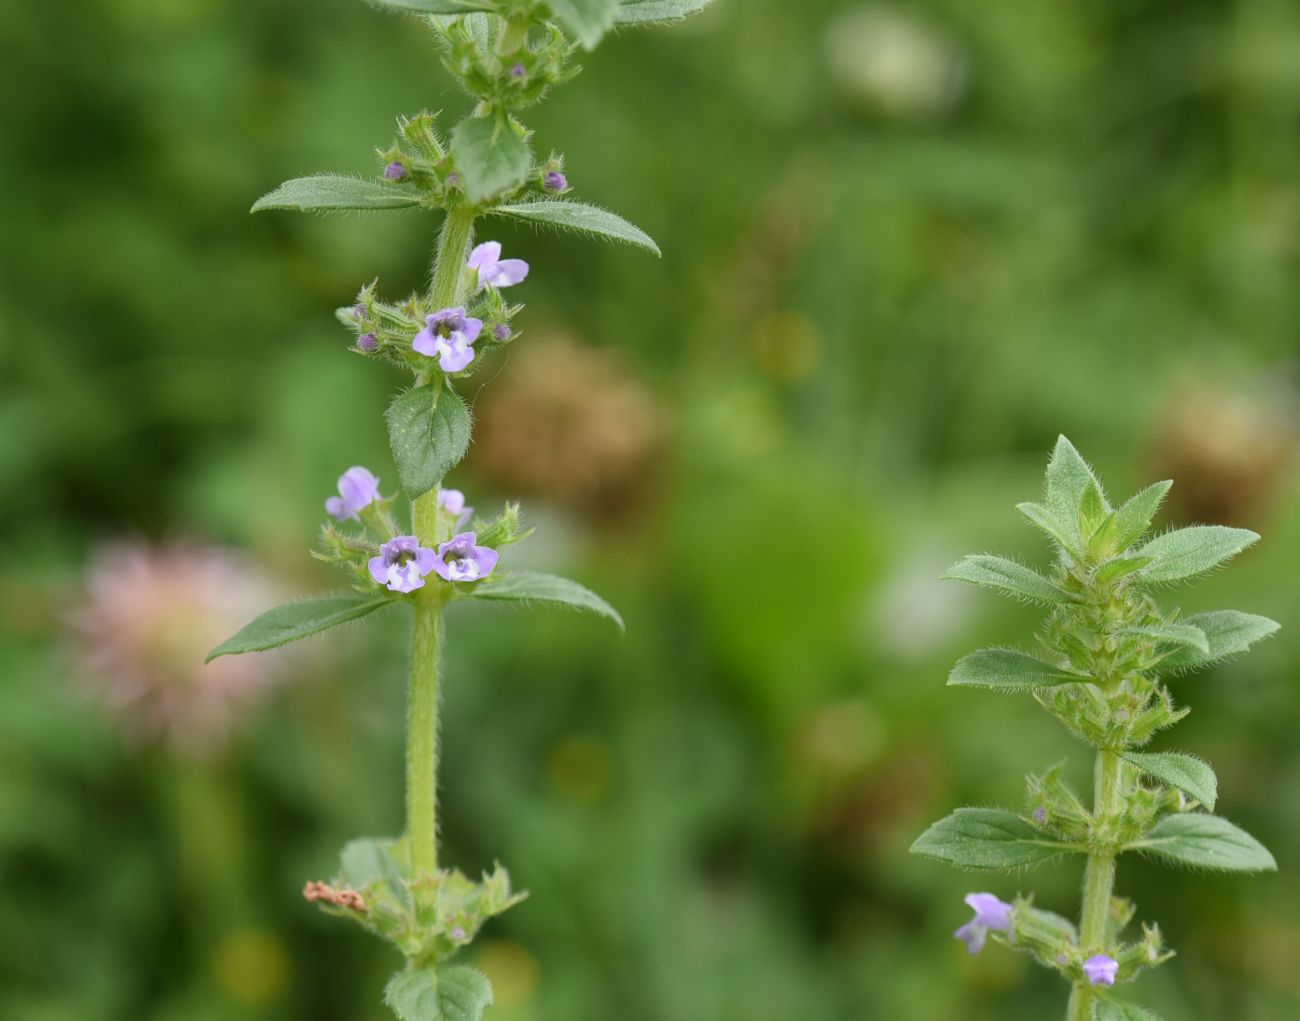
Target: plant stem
[428, 630]
[1098, 882]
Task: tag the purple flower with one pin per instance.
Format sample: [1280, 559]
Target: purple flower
[1101, 970]
[453, 500]
[518, 70]
[1040, 815]
[359, 310]
[493, 270]
[555, 181]
[367, 342]
[358, 489]
[402, 564]
[457, 933]
[448, 336]
[395, 171]
[461, 560]
[501, 333]
[990, 913]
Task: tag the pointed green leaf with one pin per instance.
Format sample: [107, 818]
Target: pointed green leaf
[429, 433]
[434, 6]
[1070, 482]
[1116, 569]
[1007, 670]
[1134, 518]
[1187, 552]
[1227, 632]
[1206, 842]
[1174, 634]
[325, 192]
[532, 587]
[657, 12]
[579, 217]
[451, 993]
[1115, 1010]
[302, 619]
[491, 154]
[1187, 773]
[1045, 520]
[1006, 576]
[987, 838]
[586, 20]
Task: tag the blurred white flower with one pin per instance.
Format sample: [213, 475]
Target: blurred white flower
[150, 616]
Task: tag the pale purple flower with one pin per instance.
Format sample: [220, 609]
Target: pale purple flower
[395, 171]
[1101, 970]
[494, 271]
[555, 181]
[359, 310]
[453, 501]
[518, 70]
[461, 560]
[990, 913]
[448, 335]
[457, 933]
[402, 564]
[367, 342]
[501, 333]
[1040, 815]
[358, 489]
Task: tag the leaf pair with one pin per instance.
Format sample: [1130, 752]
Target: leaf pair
[451, 993]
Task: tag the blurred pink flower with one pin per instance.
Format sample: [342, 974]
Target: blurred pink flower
[150, 615]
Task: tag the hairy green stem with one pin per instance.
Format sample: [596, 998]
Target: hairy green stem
[1098, 882]
[428, 630]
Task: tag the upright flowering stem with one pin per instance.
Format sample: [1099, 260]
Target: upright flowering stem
[428, 631]
[1098, 881]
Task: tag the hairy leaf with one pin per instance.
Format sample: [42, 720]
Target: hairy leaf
[657, 12]
[986, 838]
[1185, 772]
[1071, 483]
[1007, 670]
[1135, 516]
[1188, 635]
[579, 217]
[1116, 1010]
[1006, 576]
[1058, 531]
[1114, 569]
[1227, 632]
[1207, 842]
[452, 993]
[586, 20]
[434, 6]
[491, 154]
[532, 587]
[429, 435]
[1187, 552]
[324, 192]
[302, 619]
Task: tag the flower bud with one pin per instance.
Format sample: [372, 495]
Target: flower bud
[395, 171]
[367, 342]
[555, 181]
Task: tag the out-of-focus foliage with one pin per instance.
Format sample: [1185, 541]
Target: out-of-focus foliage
[905, 245]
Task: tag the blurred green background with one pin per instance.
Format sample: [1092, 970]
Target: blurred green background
[905, 245]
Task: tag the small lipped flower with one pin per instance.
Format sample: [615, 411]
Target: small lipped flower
[395, 171]
[494, 271]
[358, 489]
[1101, 970]
[990, 913]
[555, 181]
[449, 335]
[453, 501]
[462, 560]
[402, 564]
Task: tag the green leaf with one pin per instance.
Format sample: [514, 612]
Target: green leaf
[1008, 577]
[657, 12]
[1188, 635]
[1185, 772]
[302, 619]
[1070, 482]
[1207, 842]
[369, 860]
[335, 191]
[1119, 568]
[1135, 516]
[1115, 1010]
[1228, 633]
[1187, 552]
[532, 587]
[491, 154]
[452, 993]
[434, 6]
[1007, 670]
[586, 20]
[986, 838]
[1045, 520]
[579, 217]
[429, 432]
